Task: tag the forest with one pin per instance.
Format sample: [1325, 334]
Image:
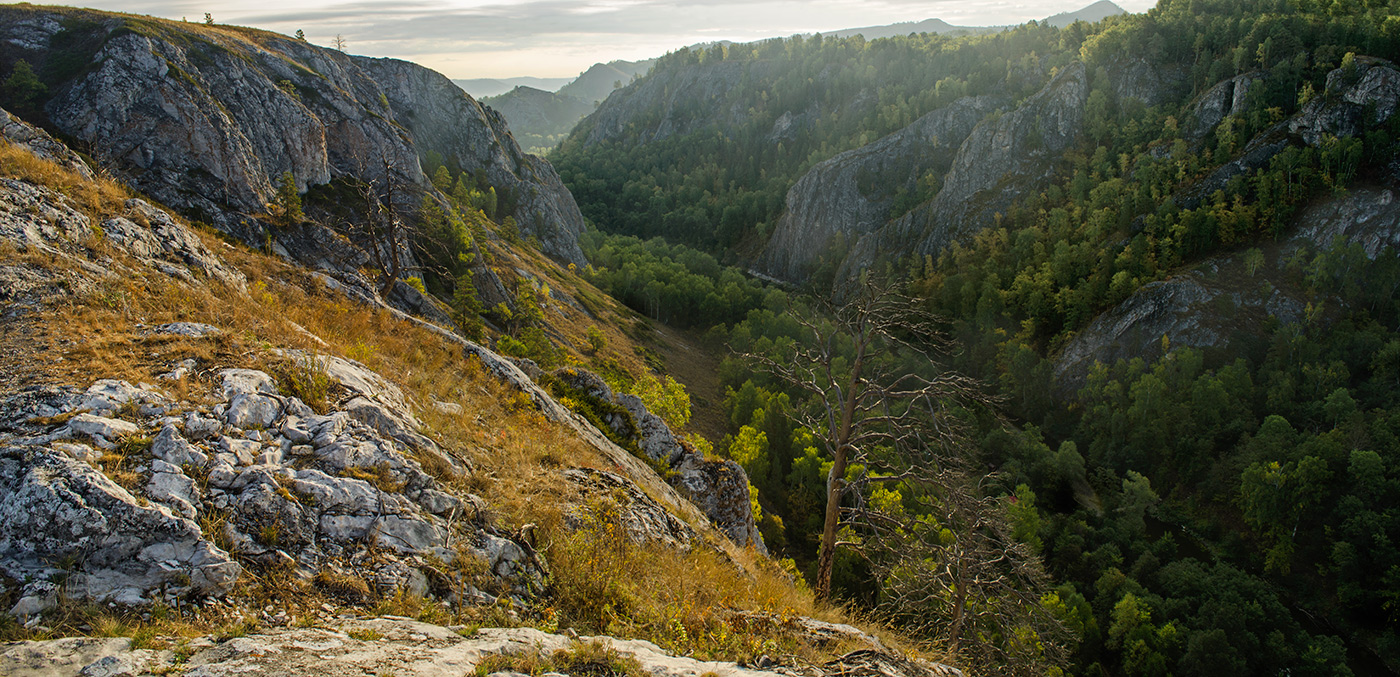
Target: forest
[1227, 508]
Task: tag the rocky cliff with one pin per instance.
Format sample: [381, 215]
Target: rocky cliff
[206, 118]
[850, 195]
[1221, 300]
[1002, 160]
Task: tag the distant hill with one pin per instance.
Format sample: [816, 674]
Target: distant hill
[538, 119]
[596, 83]
[1092, 14]
[905, 28]
[483, 87]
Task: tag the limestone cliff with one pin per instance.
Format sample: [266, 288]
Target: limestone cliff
[1002, 160]
[206, 118]
[851, 194]
[1223, 301]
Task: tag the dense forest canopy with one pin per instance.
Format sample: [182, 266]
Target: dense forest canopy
[1218, 506]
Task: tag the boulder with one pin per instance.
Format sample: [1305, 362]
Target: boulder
[109, 429]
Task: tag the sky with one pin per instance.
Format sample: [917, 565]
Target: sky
[561, 38]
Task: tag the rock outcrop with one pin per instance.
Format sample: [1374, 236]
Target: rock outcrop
[442, 117]
[1002, 160]
[399, 646]
[258, 473]
[719, 488]
[205, 119]
[850, 195]
[1221, 300]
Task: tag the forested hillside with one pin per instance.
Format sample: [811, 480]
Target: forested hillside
[1166, 246]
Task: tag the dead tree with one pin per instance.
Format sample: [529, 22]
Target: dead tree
[879, 400]
[868, 407]
[378, 221]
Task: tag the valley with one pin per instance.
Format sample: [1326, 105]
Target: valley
[1069, 347]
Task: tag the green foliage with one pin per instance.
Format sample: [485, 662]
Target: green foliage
[664, 397]
[22, 87]
[596, 340]
[671, 283]
[750, 450]
[531, 343]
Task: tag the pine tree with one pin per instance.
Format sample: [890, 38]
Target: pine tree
[286, 205]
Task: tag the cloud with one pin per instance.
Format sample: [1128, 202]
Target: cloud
[485, 38]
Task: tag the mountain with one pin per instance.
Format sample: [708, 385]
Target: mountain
[539, 119]
[206, 120]
[480, 88]
[1092, 14]
[596, 83]
[219, 440]
[937, 26]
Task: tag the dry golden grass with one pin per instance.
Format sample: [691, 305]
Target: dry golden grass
[95, 198]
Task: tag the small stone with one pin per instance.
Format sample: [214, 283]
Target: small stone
[246, 382]
[198, 427]
[252, 410]
[190, 329]
[242, 450]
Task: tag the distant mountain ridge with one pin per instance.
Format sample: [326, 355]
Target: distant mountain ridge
[540, 118]
[1091, 14]
[481, 88]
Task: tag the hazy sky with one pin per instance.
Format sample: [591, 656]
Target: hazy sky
[560, 38]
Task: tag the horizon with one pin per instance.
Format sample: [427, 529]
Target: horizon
[489, 39]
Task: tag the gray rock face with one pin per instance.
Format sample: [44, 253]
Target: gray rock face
[1002, 160]
[720, 489]
[1224, 99]
[1342, 110]
[37, 217]
[1211, 303]
[38, 142]
[442, 117]
[53, 509]
[207, 121]
[828, 201]
[287, 485]
[641, 517]
[1144, 81]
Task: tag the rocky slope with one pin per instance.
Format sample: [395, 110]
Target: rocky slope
[1222, 300]
[206, 118]
[115, 490]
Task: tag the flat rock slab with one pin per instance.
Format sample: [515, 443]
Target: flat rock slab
[400, 646]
